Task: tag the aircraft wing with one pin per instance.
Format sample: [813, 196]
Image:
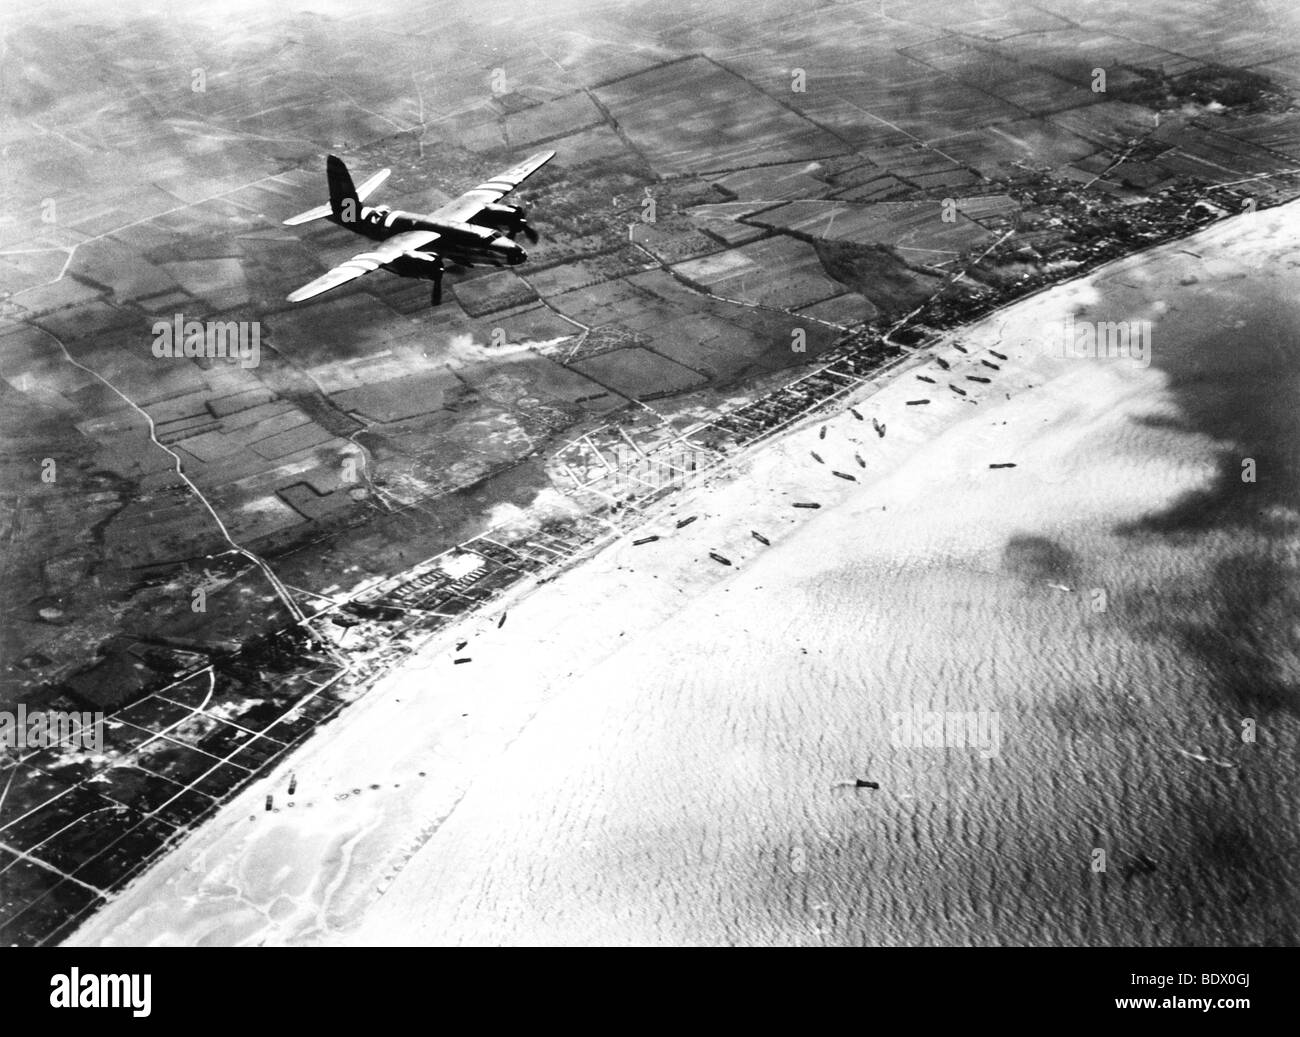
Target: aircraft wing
[394, 248]
[470, 204]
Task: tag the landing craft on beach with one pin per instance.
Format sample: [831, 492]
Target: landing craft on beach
[760, 538]
[961, 392]
[926, 378]
[468, 231]
[880, 429]
[856, 414]
[856, 783]
[687, 521]
[917, 403]
[997, 354]
[978, 378]
[644, 540]
[861, 463]
[816, 456]
[943, 363]
[845, 475]
[719, 558]
[808, 504]
[1004, 464]
[961, 349]
[822, 434]
[988, 363]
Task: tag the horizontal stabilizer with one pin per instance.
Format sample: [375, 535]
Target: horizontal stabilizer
[318, 213]
[367, 188]
[369, 185]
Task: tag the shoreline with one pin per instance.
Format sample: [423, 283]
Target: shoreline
[549, 540]
[353, 859]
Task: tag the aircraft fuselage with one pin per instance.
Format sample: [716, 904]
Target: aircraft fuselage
[466, 244]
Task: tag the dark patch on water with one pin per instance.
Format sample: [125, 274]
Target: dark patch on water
[1238, 386]
[1229, 847]
[1038, 558]
[1248, 871]
[1257, 599]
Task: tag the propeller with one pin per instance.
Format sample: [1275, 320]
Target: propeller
[525, 226]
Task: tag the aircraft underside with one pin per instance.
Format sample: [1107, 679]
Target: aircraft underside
[432, 268]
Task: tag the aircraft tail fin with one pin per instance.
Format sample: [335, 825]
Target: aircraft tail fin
[341, 189]
[341, 192]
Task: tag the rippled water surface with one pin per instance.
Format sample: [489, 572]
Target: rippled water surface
[1123, 602]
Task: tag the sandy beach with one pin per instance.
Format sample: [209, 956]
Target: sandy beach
[658, 748]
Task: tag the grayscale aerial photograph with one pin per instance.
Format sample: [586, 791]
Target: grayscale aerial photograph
[650, 473]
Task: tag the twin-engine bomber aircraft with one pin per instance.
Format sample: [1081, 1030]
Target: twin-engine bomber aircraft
[471, 229]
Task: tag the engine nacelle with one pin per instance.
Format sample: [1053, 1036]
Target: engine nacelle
[499, 216]
[510, 220]
[415, 265]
